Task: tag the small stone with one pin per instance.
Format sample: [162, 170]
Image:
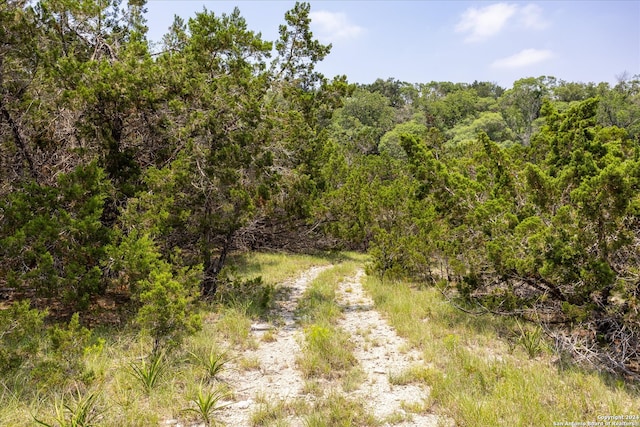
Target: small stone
[244, 404]
[261, 327]
[379, 371]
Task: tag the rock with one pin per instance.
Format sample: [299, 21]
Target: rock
[244, 404]
[261, 327]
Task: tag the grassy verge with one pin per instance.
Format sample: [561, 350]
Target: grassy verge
[479, 378]
[122, 386]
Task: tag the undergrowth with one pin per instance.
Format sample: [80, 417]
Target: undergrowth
[70, 375]
[478, 377]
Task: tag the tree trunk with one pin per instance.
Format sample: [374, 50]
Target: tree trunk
[17, 137]
[212, 268]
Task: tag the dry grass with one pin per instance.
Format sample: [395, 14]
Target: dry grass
[479, 379]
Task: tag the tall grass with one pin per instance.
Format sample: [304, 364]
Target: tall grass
[277, 267]
[478, 379]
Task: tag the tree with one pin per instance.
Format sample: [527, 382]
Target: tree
[620, 106]
[390, 141]
[53, 240]
[362, 121]
[520, 105]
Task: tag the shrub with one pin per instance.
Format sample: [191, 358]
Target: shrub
[20, 335]
[166, 313]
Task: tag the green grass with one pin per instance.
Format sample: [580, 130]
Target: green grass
[277, 267]
[338, 410]
[481, 370]
[478, 379]
[234, 326]
[136, 393]
[327, 351]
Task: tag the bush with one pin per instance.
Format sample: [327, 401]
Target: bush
[253, 294]
[166, 313]
[20, 336]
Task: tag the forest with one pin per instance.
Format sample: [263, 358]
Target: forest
[131, 172]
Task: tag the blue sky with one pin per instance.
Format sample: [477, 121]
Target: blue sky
[459, 41]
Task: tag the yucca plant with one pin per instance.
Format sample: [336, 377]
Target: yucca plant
[149, 373]
[207, 402]
[531, 340]
[83, 413]
[214, 362]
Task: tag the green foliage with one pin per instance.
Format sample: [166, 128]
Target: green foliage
[130, 178]
[68, 347]
[390, 141]
[208, 402]
[21, 336]
[149, 373]
[53, 239]
[83, 412]
[491, 123]
[166, 312]
[364, 118]
[256, 296]
[44, 357]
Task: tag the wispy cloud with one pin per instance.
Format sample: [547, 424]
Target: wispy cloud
[523, 58]
[483, 23]
[334, 25]
[531, 17]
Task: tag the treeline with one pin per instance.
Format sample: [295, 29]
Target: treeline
[519, 202]
[130, 172]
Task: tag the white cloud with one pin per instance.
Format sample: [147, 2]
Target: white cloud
[523, 58]
[485, 22]
[334, 25]
[531, 17]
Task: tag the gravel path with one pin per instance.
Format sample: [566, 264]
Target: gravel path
[277, 377]
[379, 351]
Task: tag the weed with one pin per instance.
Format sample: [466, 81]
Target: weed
[413, 374]
[415, 407]
[396, 418]
[337, 410]
[235, 326]
[268, 413]
[251, 363]
[327, 352]
[312, 387]
[353, 379]
[269, 336]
